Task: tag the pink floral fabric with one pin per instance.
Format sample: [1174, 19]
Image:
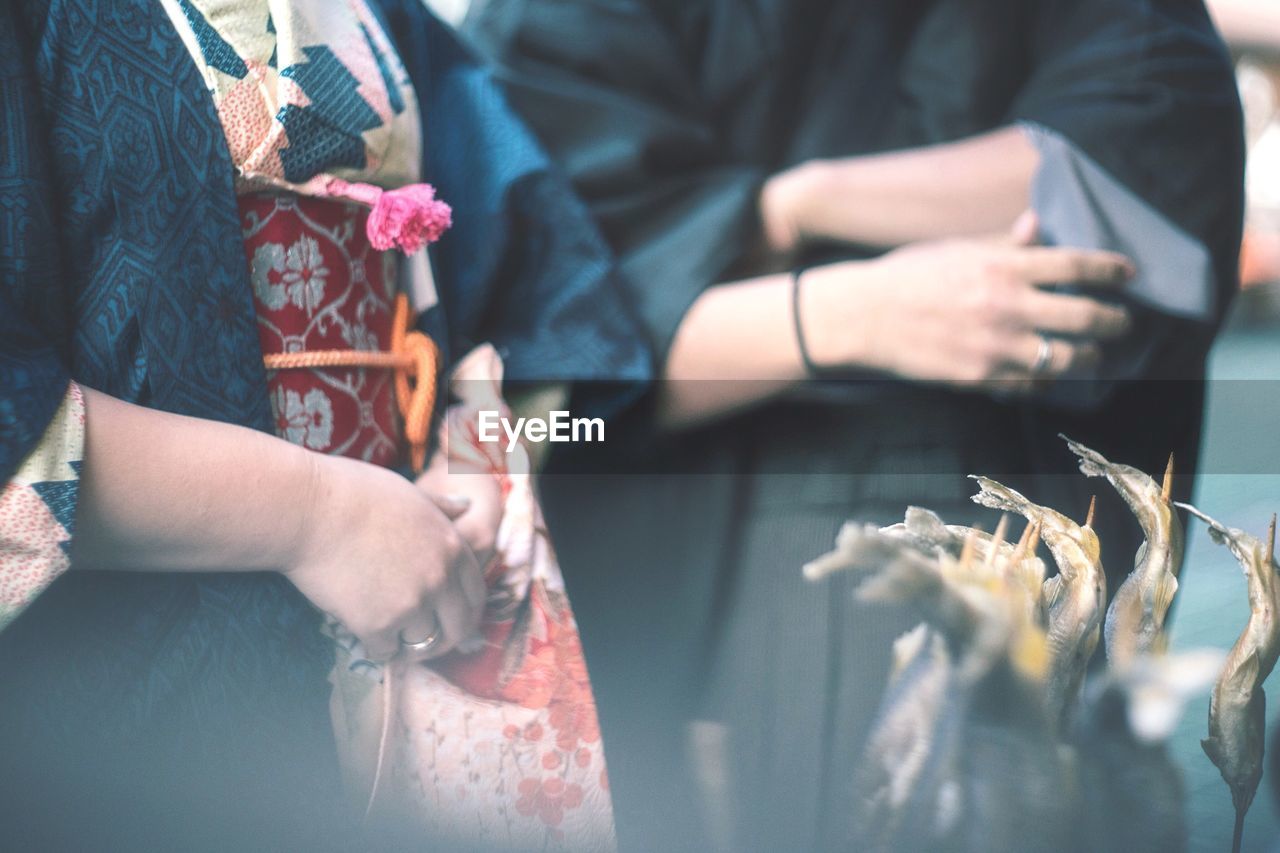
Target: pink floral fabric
[498, 743]
[37, 510]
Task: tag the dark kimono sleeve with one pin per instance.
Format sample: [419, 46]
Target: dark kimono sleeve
[41, 414]
[523, 265]
[1134, 110]
[636, 143]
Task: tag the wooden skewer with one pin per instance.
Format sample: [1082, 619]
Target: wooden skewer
[1035, 538]
[1027, 544]
[1020, 550]
[970, 545]
[1271, 540]
[1166, 491]
[997, 539]
[1093, 508]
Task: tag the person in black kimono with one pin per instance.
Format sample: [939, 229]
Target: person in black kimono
[873, 148]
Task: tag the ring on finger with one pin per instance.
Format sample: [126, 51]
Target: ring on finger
[1044, 357]
[424, 645]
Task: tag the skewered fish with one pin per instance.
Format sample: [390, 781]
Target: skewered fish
[924, 530]
[964, 754]
[1237, 710]
[1133, 796]
[1074, 598]
[961, 731]
[1149, 589]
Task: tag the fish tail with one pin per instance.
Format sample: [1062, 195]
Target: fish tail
[999, 496]
[1092, 463]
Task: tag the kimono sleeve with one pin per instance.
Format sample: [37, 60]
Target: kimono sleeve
[41, 411]
[524, 266]
[607, 91]
[1134, 110]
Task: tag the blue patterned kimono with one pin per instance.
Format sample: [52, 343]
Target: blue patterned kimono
[155, 708]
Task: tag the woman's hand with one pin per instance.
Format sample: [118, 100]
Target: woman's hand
[168, 493]
[383, 558]
[964, 312]
[473, 499]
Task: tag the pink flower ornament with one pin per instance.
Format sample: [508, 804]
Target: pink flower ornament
[407, 218]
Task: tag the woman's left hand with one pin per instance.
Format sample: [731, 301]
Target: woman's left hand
[472, 499]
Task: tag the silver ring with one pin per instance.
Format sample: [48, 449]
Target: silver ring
[422, 645]
[1044, 357]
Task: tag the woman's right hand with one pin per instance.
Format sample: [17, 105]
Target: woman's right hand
[380, 556]
[964, 312]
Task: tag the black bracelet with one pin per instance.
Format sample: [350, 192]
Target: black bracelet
[811, 370]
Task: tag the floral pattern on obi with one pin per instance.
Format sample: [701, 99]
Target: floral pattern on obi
[319, 285]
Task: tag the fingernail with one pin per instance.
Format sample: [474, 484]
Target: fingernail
[461, 503]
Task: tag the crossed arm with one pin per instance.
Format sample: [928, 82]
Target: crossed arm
[959, 312]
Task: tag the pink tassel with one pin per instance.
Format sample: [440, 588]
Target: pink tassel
[407, 218]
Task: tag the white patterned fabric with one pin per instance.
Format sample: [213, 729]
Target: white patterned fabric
[37, 510]
[499, 746]
[307, 90]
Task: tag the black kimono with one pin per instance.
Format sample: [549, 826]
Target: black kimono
[669, 115]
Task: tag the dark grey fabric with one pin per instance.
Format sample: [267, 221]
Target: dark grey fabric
[669, 115]
[692, 606]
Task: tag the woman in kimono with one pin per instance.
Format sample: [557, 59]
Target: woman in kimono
[811, 189]
[212, 222]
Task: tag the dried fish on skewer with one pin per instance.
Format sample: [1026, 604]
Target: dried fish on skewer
[890, 569]
[1074, 598]
[964, 754]
[1237, 710]
[961, 731]
[924, 530]
[1131, 786]
[1148, 591]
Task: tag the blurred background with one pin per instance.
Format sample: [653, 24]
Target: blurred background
[1243, 425]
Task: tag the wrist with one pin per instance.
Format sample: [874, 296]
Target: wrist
[316, 491]
[834, 318]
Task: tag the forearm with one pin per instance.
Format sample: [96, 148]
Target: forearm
[736, 347]
[971, 187]
[163, 492]
[962, 312]
[1247, 23]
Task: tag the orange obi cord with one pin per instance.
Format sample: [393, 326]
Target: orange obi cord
[414, 357]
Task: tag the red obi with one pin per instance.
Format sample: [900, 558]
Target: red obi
[318, 285]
